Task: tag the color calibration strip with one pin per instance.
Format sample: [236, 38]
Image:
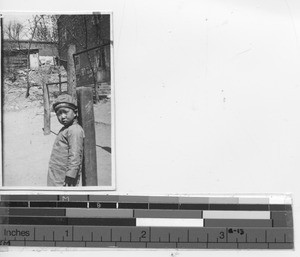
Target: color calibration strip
[125, 221]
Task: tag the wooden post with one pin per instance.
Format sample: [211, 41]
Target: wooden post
[47, 113]
[59, 85]
[71, 71]
[87, 121]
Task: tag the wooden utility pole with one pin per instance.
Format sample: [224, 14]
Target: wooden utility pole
[47, 113]
[87, 121]
[71, 71]
[59, 81]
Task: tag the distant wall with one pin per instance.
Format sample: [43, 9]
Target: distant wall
[45, 48]
[17, 59]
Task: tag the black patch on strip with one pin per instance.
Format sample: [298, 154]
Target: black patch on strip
[37, 221]
[224, 207]
[13, 204]
[280, 207]
[133, 206]
[43, 204]
[254, 207]
[100, 205]
[102, 221]
[164, 206]
[72, 204]
[191, 206]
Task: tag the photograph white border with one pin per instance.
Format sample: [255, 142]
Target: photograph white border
[113, 114]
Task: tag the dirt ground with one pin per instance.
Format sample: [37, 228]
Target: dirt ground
[26, 150]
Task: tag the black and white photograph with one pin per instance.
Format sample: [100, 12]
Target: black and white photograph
[57, 100]
[150, 127]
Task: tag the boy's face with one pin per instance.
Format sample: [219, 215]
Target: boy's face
[65, 115]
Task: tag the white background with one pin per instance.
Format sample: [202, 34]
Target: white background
[207, 100]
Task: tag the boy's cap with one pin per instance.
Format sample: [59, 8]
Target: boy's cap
[65, 100]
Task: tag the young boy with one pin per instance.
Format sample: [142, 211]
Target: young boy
[67, 153]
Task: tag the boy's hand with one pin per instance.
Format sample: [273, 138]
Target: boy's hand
[69, 182]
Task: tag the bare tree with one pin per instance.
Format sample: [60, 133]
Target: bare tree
[46, 29]
[31, 34]
[13, 31]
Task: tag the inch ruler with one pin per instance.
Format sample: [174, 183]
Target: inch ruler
[124, 221]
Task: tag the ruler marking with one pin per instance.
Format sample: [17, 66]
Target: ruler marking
[246, 238]
[53, 235]
[130, 236]
[111, 235]
[284, 237]
[226, 235]
[82, 238]
[169, 237]
[44, 237]
[266, 236]
[92, 236]
[101, 239]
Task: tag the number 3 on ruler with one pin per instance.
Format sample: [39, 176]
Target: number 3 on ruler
[222, 235]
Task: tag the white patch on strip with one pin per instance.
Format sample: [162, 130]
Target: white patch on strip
[157, 222]
[279, 199]
[253, 200]
[251, 215]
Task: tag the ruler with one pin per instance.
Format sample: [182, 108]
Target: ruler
[124, 221]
